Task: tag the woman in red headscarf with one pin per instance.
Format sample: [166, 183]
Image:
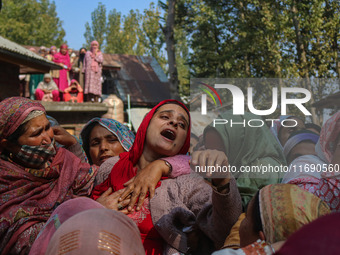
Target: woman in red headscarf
[63, 59]
[93, 73]
[182, 207]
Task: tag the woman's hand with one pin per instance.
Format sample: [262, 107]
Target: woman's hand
[145, 181]
[63, 137]
[212, 159]
[109, 199]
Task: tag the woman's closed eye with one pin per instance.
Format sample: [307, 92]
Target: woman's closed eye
[37, 132]
[95, 142]
[112, 139]
[47, 127]
[165, 117]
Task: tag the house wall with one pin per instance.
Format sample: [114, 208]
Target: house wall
[9, 80]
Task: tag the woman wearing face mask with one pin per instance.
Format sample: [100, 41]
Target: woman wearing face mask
[35, 177]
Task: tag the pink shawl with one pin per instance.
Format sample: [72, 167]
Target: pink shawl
[29, 196]
[94, 63]
[64, 59]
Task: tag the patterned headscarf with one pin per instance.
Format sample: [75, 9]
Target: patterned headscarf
[285, 208]
[123, 133]
[14, 111]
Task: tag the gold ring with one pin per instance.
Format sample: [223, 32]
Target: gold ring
[120, 207]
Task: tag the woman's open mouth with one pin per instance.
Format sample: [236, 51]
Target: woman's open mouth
[169, 134]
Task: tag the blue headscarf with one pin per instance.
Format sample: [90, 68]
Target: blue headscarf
[124, 134]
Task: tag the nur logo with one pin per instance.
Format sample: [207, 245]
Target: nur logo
[204, 97]
[239, 99]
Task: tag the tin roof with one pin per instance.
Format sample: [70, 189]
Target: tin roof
[331, 102]
[28, 61]
[140, 77]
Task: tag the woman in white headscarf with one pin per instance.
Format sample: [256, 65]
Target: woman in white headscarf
[47, 90]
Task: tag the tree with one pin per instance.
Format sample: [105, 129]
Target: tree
[131, 34]
[264, 39]
[31, 22]
[168, 31]
[151, 35]
[97, 30]
[114, 33]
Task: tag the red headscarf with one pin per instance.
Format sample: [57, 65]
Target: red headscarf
[123, 170]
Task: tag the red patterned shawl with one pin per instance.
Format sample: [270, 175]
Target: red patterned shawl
[29, 196]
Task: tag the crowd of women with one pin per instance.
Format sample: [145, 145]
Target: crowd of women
[75, 80]
[112, 191]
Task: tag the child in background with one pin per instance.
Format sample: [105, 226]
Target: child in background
[74, 93]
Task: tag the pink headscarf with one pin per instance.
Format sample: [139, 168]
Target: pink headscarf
[64, 46]
[14, 111]
[94, 43]
[94, 64]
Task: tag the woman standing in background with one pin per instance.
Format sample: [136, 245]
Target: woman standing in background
[93, 73]
[63, 59]
[78, 68]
